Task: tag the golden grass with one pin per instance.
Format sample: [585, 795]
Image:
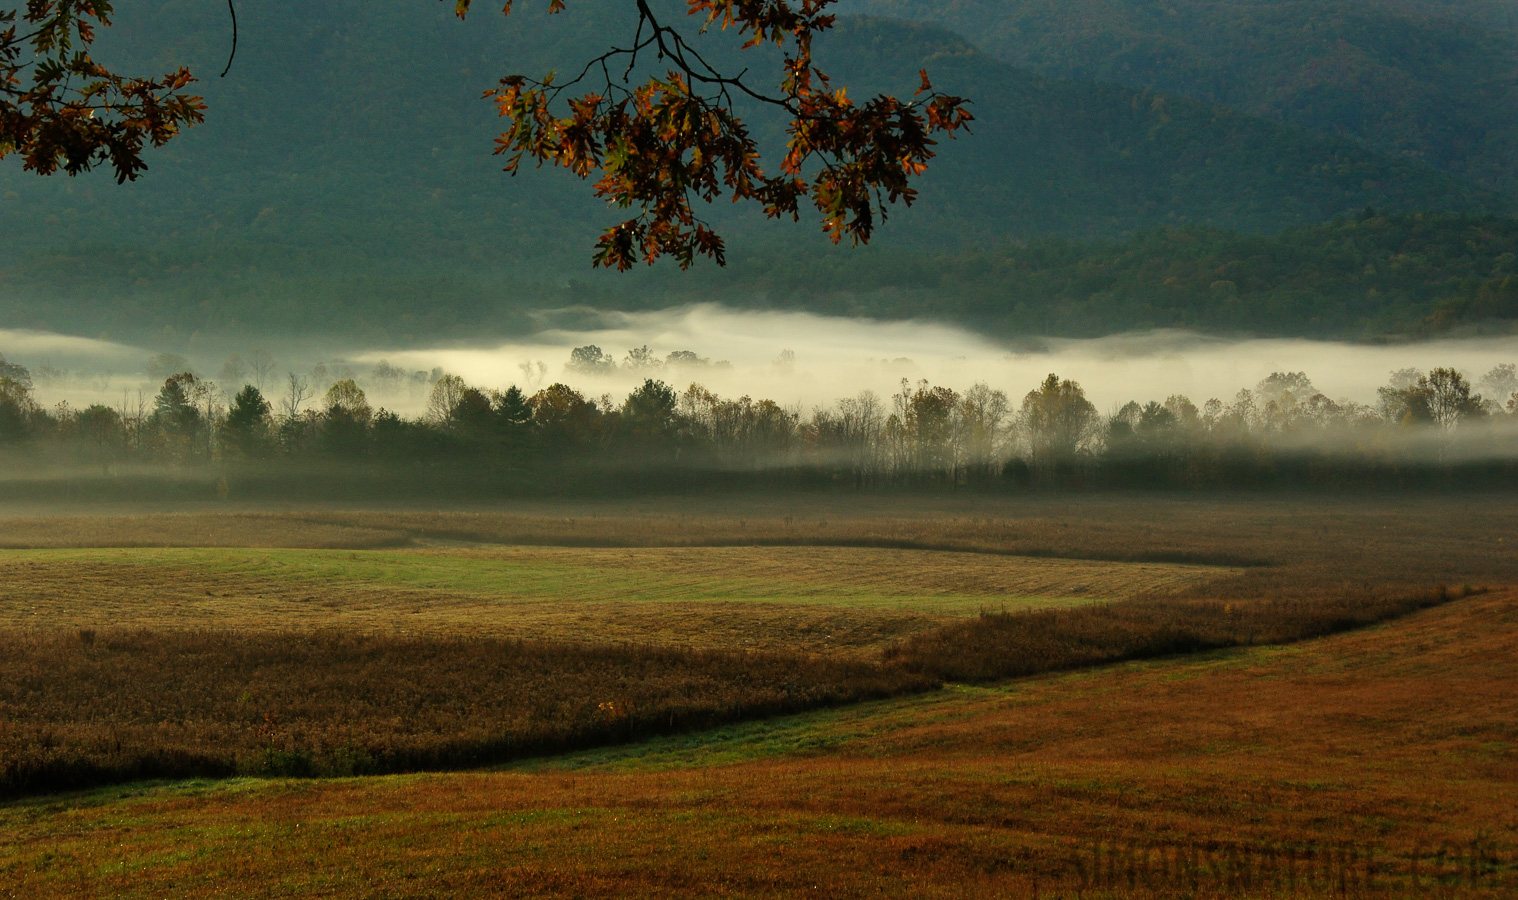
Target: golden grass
[756, 596]
[89, 708]
[1389, 738]
[1395, 739]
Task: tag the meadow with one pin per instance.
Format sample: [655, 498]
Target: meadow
[710, 696]
[512, 590]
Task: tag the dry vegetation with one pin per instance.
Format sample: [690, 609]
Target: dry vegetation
[456, 646]
[1008, 645]
[85, 709]
[1303, 540]
[772, 597]
[364, 641]
[1276, 770]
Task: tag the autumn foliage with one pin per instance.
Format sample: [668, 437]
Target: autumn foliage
[659, 146]
[71, 113]
[656, 147]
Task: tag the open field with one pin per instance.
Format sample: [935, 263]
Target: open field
[330, 641]
[570, 593]
[86, 708]
[1355, 756]
[1385, 538]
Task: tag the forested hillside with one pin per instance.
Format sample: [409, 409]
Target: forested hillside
[1362, 277]
[343, 182]
[1434, 80]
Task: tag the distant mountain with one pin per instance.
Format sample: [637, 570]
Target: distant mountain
[1365, 277]
[1433, 80]
[343, 179]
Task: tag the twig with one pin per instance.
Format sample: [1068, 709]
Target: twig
[233, 10]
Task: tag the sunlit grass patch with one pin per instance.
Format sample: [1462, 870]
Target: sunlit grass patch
[851, 600]
[922, 582]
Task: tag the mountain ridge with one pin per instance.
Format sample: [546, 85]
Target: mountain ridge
[346, 180]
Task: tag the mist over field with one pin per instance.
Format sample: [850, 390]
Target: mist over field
[797, 359]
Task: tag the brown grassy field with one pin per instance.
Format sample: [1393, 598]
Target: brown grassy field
[87, 708]
[553, 592]
[659, 607]
[139, 704]
[1313, 540]
[1276, 771]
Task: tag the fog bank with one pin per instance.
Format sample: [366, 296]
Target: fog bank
[836, 357]
[796, 359]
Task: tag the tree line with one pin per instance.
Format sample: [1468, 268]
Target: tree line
[922, 435]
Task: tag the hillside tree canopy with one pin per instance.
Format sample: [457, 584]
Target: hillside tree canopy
[655, 146]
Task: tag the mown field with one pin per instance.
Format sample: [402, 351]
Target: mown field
[1229, 639]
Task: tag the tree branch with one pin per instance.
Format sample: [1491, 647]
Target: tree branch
[233, 10]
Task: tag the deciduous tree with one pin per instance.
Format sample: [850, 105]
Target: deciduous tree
[590, 360]
[16, 406]
[62, 110]
[660, 146]
[1060, 421]
[656, 147]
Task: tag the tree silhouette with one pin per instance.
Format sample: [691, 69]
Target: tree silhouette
[1060, 421]
[247, 426]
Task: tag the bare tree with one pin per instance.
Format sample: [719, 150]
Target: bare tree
[534, 373]
[1450, 399]
[232, 373]
[862, 420]
[980, 423]
[447, 391]
[297, 393]
[1501, 385]
[262, 366]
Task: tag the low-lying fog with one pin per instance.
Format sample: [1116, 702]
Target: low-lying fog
[793, 358]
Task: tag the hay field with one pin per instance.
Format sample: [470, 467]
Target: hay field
[1286, 541]
[1363, 764]
[274, 632]
[761, 597]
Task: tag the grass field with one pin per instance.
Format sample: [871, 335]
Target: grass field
[1342, 759]
[841, 596]
[1275, 771]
